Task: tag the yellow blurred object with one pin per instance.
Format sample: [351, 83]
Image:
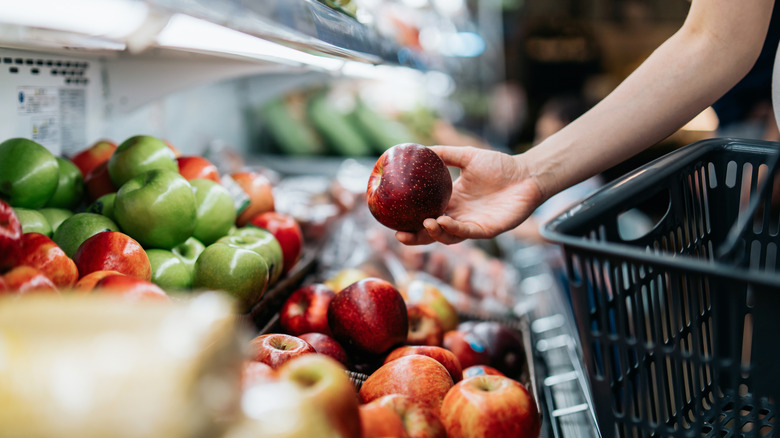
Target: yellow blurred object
[344, 278]
[97, 366]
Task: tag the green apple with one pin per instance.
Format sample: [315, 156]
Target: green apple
[70, 186]
[240, 272]
[29, 173]
[55, 216]
[104, 205]
[139, 154]
[216, 212]
[33, 221]
[189, 251]
[262, 242]
[169, 271]
[80, 227]
[156, 208]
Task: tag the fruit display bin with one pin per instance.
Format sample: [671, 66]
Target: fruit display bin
[678, 320]
[527, 375]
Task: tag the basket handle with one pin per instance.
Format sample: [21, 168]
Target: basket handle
[729, 249]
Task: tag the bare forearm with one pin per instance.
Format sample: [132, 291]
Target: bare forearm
[682, 77]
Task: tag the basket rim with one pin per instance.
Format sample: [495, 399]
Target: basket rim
[633, 183]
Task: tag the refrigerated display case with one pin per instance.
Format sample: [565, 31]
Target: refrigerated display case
[187, 70]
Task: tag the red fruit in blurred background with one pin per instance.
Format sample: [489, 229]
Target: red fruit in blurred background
[10, 236]
[40, 252]
[467, 347]
[326, 345]
[424, 326]
[113, 251]
[99, 152]
[420, 421]
[254, 373]
[287, 232]
[306, 310]
[260, 191]
[26, 279]
[98, 182]
[377, 421]
[275, 349]
[88, 282]
[130, 288]
[176, 151]
[196, 167]
[481, 370]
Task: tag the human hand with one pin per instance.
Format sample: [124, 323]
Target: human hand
[494, 193]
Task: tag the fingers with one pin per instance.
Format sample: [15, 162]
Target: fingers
[456, 156]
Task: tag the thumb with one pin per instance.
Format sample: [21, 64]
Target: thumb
[457, 156]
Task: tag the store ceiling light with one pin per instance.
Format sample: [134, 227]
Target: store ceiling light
[110, 19]
[185, 32]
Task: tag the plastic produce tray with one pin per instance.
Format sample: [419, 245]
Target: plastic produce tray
[679, 322]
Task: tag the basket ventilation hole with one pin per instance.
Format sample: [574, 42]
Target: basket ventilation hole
[641, 220]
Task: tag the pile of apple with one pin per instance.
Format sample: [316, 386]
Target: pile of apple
[417, 370]
[139, 219]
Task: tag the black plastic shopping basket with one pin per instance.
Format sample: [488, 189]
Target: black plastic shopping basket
[680, 320]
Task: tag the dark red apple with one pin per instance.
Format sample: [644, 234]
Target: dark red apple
[469, 348]
[421, 378]
[504, 345]
[369, 315]
[409, 183]
[287, 231]
[39, 251]
[10, 236]
[306, 310]
[442, 355]
[113, 251]
[275, 349]
[98, 182]
[326, 345]
[424, 326]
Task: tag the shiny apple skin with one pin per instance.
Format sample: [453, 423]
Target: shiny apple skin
[41, 252]
[275, 349]
[306, 310]
[10, 236]
[408, 184]
[113, 251]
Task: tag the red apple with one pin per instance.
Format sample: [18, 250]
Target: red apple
[88, 282]
[409, 183]
[377, 421]
[326, 345]
[10, 237]
[39, 251]
[98, 182]
[490, 406]
[130, 288]
[504, 345]
[467, 347]
[196, 167]
[113, 251]
[369, 315]
[421, 378]
[420, 421]
[255, 373]
[275, 349]
[287, 232]
[324, 383]
[424, 326]
[481, 370]
[306, 310]
[23, 280]
[260, 192]
[442, 355]
[99, 152]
